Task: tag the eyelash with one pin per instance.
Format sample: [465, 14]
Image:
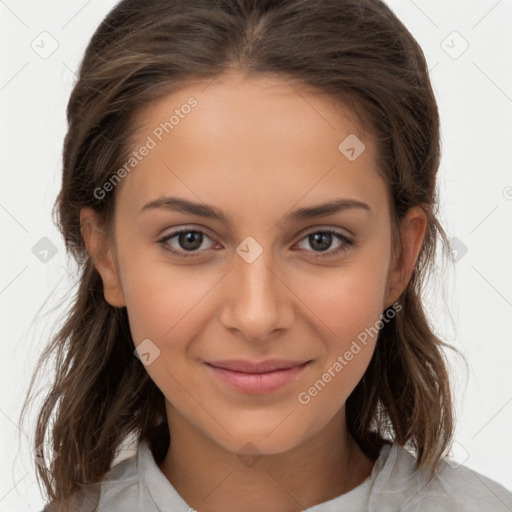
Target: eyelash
[347, 243]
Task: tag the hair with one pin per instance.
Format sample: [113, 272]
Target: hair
[358, 53]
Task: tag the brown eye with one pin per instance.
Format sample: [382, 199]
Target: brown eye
[187, 241]
[191, 240]
[320, 241]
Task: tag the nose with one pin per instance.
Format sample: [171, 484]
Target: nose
[257, 301]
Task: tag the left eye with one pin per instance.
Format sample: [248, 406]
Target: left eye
[322, 240]
[190, 241]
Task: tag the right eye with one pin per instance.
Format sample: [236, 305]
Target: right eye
[187, 241]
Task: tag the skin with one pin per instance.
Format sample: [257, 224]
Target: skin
[255, 148]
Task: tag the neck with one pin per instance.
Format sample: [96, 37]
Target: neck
[207, 476]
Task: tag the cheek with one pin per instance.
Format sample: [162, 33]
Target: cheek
[165, 303]
[154, 307]
[169, 307]
[349, 308]
[348, 303]
[346, 300]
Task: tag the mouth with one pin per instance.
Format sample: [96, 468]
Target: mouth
[257, 377]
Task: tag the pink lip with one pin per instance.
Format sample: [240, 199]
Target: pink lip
[257, 377]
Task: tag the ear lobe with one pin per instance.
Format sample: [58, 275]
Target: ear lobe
[412, 233]
[100, 252]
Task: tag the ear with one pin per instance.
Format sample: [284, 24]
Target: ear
[412, 232]
[100, 252]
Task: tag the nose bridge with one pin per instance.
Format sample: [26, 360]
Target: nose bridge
[257, 302]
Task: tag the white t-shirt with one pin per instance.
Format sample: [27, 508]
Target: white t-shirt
[136, 484]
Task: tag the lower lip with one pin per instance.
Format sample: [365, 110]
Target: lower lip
[258, 383]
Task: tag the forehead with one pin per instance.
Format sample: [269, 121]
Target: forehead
[264, 102]
[260, 138]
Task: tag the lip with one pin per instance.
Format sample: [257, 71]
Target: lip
[257, 377]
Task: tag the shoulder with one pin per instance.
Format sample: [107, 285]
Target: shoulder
[455, 487]
[120, 486]
[118, 490]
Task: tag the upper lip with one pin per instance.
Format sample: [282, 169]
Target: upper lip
[239, 365]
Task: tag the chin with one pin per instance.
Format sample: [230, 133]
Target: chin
[262, 441]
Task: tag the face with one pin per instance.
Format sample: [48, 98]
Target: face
[256, 273]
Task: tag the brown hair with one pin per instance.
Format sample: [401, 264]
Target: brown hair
[355, 51]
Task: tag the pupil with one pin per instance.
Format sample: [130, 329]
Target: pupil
[190, 240]
[317, 240]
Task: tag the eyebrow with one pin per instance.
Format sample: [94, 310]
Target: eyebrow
[203, 210]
